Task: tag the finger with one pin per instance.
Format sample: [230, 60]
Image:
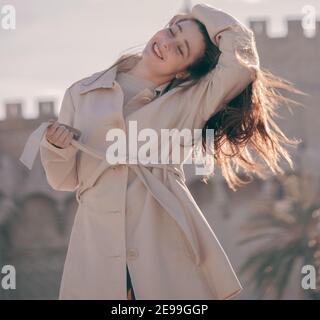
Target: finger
[175, 19]
[61, 134]
[60, 141]
[54, 138]
[52, 128]
[171, 22]
[54, 132]
[179, 17]
[67, 140]
[50, 133]
[49, 129]
[52, 141]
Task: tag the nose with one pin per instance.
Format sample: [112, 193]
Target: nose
[167, 44]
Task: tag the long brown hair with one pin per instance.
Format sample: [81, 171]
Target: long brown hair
[245, 126]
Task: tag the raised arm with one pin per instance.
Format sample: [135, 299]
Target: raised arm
[237, 64]
[60, 165]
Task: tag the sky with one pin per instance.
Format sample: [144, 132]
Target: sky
[56, 43]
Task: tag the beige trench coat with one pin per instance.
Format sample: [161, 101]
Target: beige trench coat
[154, 225]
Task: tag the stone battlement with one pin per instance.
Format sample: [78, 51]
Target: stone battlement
[295, 29]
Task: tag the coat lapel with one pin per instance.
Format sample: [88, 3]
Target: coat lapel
[101, 79]
[106, 79]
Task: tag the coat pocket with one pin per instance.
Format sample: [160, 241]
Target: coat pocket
[95, 203]
[99, 232]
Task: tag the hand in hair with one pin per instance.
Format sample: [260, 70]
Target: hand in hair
[179, 17]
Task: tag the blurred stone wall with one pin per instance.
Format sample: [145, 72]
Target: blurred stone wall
[35, 221]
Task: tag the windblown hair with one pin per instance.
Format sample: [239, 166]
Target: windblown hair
[245, 126]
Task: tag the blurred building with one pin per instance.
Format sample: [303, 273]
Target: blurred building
[35, 221]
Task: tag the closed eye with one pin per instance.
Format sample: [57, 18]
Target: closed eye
[171, 32]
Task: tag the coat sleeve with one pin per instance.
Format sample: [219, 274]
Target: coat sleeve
[60, 165]
[237, 64]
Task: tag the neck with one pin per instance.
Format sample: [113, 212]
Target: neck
[141, 71]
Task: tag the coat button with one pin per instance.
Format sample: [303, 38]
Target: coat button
[132, 253]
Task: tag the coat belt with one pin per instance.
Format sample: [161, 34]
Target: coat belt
[159, 190]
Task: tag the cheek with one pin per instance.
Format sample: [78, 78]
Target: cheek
[157, 65]
[172, 64]
[153, 63]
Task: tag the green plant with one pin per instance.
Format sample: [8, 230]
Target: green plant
[288, 225]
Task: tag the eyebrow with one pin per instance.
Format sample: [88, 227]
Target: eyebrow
[185, 41]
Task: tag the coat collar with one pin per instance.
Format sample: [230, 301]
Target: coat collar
[106, 79]
[101, 79]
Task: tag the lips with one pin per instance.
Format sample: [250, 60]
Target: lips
[155, 52]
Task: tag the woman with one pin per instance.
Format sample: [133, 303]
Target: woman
[138, 222]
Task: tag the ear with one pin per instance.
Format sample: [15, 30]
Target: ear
[182, 74]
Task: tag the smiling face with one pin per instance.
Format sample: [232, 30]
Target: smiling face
[174, 48]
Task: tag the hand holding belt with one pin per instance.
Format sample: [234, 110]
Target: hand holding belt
[158, 189]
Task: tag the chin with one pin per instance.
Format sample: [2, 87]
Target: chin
[148, 57]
